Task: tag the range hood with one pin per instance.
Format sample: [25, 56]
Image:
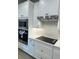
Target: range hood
[53, 18]
[21, 1]
[34, 0]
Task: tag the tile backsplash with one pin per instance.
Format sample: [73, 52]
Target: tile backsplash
[48, 30]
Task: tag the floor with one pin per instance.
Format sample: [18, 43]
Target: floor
[23, 55]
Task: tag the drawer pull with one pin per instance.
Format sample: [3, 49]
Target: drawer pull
[41, 57]
[33, 45]
[41, 50]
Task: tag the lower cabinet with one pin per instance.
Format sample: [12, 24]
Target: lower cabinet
[56, 54]
[40, 50]
[27, 48]
[31, 47]
[43, 51]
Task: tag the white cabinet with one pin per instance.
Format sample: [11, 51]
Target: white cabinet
[27, 48]
[23, 10]
[36, 22]
[56, 54]
[48, 7]
[23, 46]
[40, 50]
[31, 47]
[43, 51]
[44, 7]
[30, 14]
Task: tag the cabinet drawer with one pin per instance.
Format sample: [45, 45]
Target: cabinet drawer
[38, 56]
[43, 49]
[43, 56]
[20, 45]
[23, 47]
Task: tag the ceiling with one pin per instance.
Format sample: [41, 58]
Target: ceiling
[20, 1]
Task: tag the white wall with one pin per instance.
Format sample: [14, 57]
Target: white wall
[50, 30]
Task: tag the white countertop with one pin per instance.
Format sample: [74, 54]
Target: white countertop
[57, 44]
[34, 33]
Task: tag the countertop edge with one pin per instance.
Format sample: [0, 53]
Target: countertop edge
[57, 44]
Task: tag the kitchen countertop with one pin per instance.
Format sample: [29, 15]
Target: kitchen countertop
[47, 39]
[57, 44]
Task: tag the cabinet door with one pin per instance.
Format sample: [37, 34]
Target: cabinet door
[43, 56]
[23, 10]
[31, 47]
[36, 22]
[56, 54]
[43, 48]
[50, 7]
[43, 51]
[23, 47]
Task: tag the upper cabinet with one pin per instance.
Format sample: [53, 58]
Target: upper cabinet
[49, 7]
[36, 22]
[31, 13]
[23, 10]
[45, 10]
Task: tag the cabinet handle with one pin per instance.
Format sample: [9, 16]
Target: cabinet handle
[41, 50]
[30, 40]
[33, 45]
[41, 57]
